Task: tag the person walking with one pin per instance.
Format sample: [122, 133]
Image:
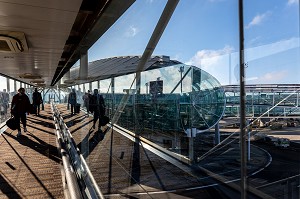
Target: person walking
[97, 106]
[72, 100]
[86, 99]
[36, 101]
[20, 105]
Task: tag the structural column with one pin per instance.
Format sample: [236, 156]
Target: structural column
[83, 70]
[138, 82]
[217, 133]
[8, 85]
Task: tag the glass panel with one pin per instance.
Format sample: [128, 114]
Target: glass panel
[194, 109]
[272, 91]
[94, 85]
[18, 85]
[4, 100]
[87, 87]
[11, 85]
[163, 109]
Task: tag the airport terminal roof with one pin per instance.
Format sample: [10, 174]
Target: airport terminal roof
[118, 66]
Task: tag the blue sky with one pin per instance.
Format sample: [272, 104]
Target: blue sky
[205, 33]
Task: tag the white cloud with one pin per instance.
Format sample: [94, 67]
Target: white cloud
[258, 19]
[131, 31]
[272, 77]
[215, 62]
[292, 2]
[124, 82]
[206, 58]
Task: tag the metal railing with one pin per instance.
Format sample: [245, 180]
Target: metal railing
[81, 183]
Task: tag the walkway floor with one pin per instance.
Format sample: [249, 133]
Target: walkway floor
[122, 168]
[30, 166]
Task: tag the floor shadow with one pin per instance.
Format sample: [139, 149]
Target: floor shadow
[154, 169]
[40, 146]
[42, 123]
[28, 167]
[44, 116]
[8, 190]
[40, 129]
[68, 116]
[136, 166]
[75, 121]
[79, 127]
[87, 145]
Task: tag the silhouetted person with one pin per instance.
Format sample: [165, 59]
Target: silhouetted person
[20, 105]
[72, 100]
[86, 100]
[97, 106]
[36, 101]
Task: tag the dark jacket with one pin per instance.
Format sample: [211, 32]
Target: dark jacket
[72, 98]
[37, 98]
[20, 104]
[97, 105]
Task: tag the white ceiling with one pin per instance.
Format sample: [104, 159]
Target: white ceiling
[47, 25]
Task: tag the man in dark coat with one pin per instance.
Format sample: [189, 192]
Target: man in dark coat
[20, 105]
[97, 106]
[72, 100]
[86, 100]
[36, 101]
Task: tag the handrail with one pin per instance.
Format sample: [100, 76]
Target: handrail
[71, 179]
[89, 187]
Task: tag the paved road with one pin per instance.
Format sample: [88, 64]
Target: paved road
[281, 178]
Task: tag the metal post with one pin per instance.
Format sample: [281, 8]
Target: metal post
[113, 95]
[181, 70]
[249, 135]
[297, 98]
[138, 82]
[253, 110]
[217, 133]
[8, 85]
[242, 104]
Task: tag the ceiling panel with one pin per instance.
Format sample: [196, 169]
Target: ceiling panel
[47, 25]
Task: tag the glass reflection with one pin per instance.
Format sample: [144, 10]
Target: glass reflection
[172, 101]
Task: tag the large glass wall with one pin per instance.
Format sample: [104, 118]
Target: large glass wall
[179, 105]
[166, 109]
[7, 91]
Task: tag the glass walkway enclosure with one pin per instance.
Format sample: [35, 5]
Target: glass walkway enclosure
[173, 99]
[251, 47]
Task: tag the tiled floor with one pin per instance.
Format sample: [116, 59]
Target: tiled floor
[30, 166]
